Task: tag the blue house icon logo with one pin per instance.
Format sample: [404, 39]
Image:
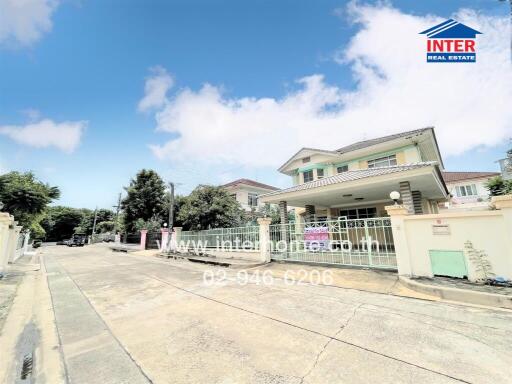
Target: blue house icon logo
[451, 42]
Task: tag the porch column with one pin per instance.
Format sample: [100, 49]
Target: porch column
[417, 202]
[406, 194]
[310, 213]
[397, 214]
[283, 212]
[283, 215]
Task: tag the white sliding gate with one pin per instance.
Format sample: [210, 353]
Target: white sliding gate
[356, 242]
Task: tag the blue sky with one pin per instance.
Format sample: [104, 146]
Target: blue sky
[90, 65]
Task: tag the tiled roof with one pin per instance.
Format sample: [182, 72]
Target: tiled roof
[379, 140]
[450, 177]
[351, 176]
[251, 183]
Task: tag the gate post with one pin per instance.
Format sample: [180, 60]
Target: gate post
[165, 239]
[143, 235]
[175, 238]
[5, 221]
[397, 214]
[264, 226]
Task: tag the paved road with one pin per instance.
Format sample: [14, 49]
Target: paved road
[124, 318]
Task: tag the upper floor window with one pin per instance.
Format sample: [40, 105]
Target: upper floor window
[342, 168]
[386, 161]
[319, 173]
[466, 190]
[233, 195]
[308, 176]
[252, 199]
[306, 159]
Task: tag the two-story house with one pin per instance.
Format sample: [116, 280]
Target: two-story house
[247, 192]
[355, 181]
[467, 189]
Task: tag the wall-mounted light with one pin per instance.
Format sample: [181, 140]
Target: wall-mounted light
[395, 196]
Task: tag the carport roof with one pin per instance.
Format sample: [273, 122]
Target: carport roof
[352, 176]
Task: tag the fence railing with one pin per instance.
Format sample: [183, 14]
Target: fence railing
[223, 238]
[130, 238]
[357, 242]
[154, 240]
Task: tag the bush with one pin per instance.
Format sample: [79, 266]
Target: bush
[497, 186]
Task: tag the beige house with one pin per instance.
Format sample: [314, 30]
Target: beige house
[355, 181]
[467, 189]
[247, 192]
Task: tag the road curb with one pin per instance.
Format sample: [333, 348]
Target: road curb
[460, 295]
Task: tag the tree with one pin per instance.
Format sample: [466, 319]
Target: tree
[146, 199]
[105, 226]
[60, 222]
[497, 186]
[273, 213]
[25, 197]
[209, 207]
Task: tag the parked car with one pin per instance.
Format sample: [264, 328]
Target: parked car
[77, 240]
[37, 243]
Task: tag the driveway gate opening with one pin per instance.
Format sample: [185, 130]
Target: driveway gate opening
[356, 242]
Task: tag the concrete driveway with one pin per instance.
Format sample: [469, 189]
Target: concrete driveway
[124, 318]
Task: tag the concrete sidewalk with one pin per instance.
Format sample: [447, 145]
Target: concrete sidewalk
[91, 352]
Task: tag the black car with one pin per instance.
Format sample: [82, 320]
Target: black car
[77, 241]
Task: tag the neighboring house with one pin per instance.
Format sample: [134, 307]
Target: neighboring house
[355, 181]
[247, 192]
[467, 189]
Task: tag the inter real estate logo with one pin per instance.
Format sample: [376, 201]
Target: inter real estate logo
[451, 42]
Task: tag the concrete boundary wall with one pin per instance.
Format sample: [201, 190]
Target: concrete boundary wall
[9, 233]
[489, 231]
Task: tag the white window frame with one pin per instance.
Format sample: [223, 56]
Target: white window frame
[318, 175]
[468, 190]
[386, 161]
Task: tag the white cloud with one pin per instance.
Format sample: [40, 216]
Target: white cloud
[469, 104]
[45, 133]
[155, 89]
[23, 22]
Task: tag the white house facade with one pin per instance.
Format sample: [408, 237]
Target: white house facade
[467, 189]
[247, 193]
[355, 181]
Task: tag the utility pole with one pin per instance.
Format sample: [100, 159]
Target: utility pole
[94, 222]
[117, 213]
[171, 213]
